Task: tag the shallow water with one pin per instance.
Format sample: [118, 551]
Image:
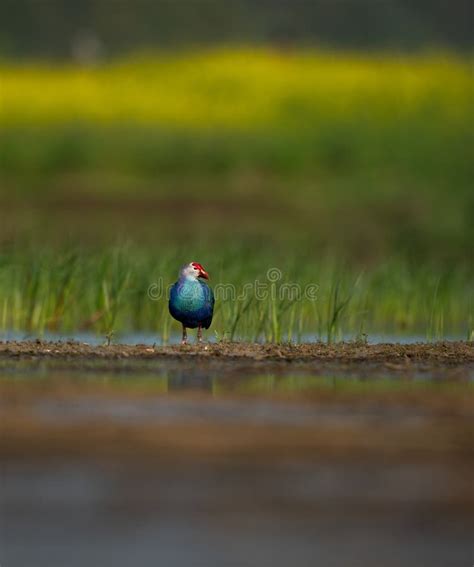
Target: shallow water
[77, 514]
[77, 490]
[175, 338]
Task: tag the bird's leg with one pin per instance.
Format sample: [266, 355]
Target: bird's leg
[199, 336]
[184, 340]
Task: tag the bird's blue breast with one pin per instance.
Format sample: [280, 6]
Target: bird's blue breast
[192, 303]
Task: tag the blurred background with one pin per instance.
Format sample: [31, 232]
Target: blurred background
[333, 141]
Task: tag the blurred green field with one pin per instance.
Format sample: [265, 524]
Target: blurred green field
[222, 110]
[330, 136]
[350, 171]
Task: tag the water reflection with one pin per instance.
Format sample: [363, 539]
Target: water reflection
[183, 463]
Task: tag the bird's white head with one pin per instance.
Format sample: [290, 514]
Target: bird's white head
[193, 270]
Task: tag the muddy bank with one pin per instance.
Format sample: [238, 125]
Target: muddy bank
[440, 353]
[340, 435]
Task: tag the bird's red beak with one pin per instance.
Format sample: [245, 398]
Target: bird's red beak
[203, 274]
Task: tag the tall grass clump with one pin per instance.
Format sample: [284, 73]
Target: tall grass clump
[123, 289]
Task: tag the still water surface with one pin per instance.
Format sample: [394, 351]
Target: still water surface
[76, 507]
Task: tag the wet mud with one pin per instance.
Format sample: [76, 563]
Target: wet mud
[447, 353]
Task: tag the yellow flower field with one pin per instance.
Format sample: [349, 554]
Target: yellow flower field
[239, 89]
